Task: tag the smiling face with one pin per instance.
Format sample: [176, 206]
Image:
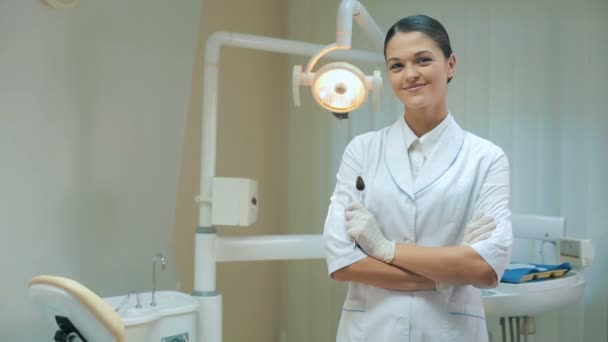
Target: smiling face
[419, 71]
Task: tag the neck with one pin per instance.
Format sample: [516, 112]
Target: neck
[423, 120]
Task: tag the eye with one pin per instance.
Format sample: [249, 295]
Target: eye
[395, 66]
[424, 60]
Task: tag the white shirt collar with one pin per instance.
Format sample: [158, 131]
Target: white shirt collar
[430, 139]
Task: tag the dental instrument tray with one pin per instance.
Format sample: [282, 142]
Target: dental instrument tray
[517, 273]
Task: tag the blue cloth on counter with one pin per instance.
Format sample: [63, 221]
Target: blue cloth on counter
[515, 271]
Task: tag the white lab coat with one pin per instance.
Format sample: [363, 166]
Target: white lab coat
[465, 173]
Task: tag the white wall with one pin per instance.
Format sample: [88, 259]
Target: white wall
[531, 77]
[92, 112]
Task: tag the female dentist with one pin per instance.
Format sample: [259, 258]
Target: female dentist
[434, 226]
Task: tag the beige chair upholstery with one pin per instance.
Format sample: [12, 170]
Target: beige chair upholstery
[54, 291]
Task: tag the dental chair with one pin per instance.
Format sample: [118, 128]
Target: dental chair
[80, 315]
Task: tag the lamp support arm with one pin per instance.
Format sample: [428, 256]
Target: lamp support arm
[353, 9]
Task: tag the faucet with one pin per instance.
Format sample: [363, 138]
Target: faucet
[161, 257]
[123, 302]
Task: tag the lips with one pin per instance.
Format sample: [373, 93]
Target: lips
[415, 87]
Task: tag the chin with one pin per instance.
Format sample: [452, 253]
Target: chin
[415, 104]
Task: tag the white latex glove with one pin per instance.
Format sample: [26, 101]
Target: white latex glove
[479, 229]
[361, 225]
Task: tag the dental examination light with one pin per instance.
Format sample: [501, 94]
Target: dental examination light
[338, 87]
[341, 87]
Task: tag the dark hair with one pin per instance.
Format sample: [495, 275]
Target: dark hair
[424, 24]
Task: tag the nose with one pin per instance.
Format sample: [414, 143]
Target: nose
[411, 73]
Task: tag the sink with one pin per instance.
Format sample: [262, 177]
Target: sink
[534, 297]
[168, 303]
[174, 318]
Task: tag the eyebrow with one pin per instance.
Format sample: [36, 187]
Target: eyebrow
[416, 54]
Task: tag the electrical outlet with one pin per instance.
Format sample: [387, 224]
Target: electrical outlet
[570, 247]
[578, 252]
